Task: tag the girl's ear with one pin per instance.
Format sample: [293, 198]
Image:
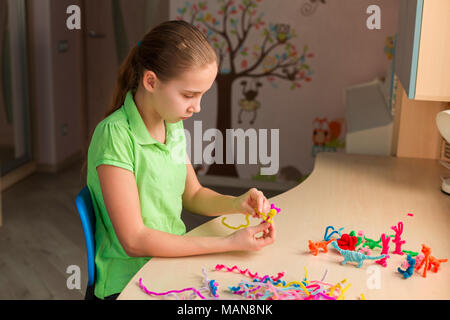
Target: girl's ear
[149, 80]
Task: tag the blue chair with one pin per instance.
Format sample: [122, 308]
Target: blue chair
[83, 202]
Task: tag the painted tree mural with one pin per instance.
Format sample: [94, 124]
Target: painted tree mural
[273, 57]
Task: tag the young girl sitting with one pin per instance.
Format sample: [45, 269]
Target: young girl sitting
[137, 179]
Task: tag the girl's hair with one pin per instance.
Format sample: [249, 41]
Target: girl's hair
[168, 49]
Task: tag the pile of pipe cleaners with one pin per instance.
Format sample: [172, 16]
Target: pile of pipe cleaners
[258, 287]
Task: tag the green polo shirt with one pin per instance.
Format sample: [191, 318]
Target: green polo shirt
[123, 140]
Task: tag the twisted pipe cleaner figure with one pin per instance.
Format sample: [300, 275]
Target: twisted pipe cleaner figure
[354, 256]
[435, 263]
[327, 236]
[397, 240]
[429, 261]
[372, 244]
[425, 261]
[385, 240]
[410, 269]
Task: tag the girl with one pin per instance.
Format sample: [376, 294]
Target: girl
[137, 186]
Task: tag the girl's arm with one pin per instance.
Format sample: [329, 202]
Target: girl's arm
[121, 198]
[207, 202]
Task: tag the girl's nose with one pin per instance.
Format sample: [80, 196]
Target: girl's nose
[196, 107]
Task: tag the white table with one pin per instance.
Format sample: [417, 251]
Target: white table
[357, 192]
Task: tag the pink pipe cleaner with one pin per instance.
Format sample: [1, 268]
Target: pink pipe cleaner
[398, 240]
[385, 240]
[326, 297]
[251, 275]
[168, 292]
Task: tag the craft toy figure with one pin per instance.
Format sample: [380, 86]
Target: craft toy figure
[412, 253]
[425, 261]
[315, 246]
[409, 271]
[353, 256]
[419, 258]
[435, 263]
[358, 238]
[429, 261]
[365, 251]
[327, 236]
[385, 240]
[269, 216]
[397, 240]
[347, 242]
[372, 244]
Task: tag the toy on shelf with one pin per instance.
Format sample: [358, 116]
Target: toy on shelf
[315, 246]
[347, 242]
[269, 216]
[410, 269]
[353, 256]
[397, 240]
[327, 236]
[385, 240]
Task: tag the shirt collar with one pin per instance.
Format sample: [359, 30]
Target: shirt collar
[138, 126]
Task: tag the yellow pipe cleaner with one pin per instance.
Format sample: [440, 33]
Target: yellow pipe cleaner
[236, 228]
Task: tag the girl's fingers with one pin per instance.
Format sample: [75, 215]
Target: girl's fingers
[248, 209]
[258, 198]
[260, 228]
[266, 205]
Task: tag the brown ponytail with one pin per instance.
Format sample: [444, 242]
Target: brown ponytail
[168, 49]
[127, 79]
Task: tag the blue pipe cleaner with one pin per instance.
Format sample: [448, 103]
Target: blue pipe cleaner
[327, 236]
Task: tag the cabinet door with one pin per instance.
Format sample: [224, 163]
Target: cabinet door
[433, 66]
[423, 49]
[409, 25]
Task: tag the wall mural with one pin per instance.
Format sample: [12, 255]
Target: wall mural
[328, 136]
[310, 6]
[389, 47]
[249, 102]
[274, 57]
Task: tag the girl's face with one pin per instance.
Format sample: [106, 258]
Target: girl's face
[180, 98]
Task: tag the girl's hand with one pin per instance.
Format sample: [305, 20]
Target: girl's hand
[245, 239]
[250, 200]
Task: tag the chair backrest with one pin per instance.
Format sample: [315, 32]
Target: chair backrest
[83, 202]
